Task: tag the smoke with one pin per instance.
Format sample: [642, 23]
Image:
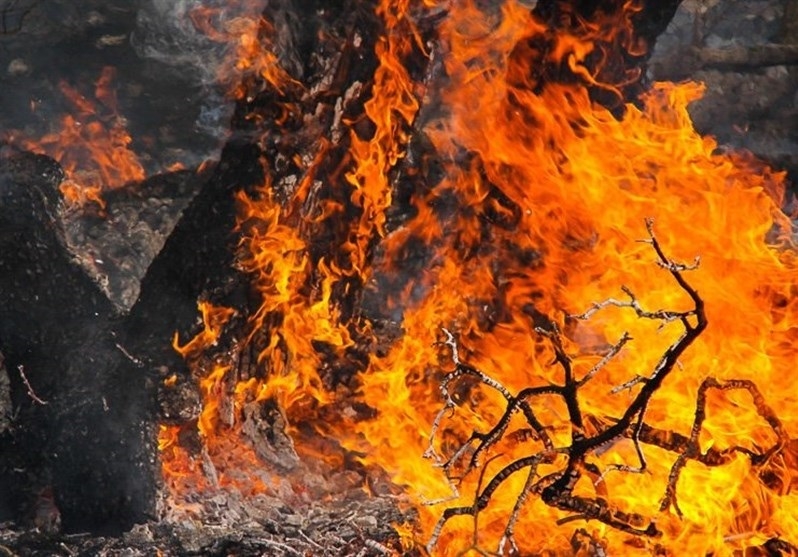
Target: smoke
[166, 32]
[191, 37]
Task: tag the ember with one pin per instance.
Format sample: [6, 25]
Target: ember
[418, 285]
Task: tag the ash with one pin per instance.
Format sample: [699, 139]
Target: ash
[229, 524]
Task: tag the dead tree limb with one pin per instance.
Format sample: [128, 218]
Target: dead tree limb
[692, 59]
[557, 488]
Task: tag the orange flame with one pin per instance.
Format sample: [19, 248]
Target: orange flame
[222, 458]
[583, 182]
[548, 210]
[93, 144]
[392, 107]
[213, 322]
[274, 255]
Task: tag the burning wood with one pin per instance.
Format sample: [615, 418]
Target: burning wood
[553, 472]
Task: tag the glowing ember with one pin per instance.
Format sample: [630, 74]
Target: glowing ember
[549, 206]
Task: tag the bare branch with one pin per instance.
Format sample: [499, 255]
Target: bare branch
[613, 351]
[557, 488]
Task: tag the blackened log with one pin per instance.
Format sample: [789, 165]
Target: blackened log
[195, 263]
[82, 430]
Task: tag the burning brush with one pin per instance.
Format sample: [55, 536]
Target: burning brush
[553, 471]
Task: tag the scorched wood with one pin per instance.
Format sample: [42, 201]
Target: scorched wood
[82, 426]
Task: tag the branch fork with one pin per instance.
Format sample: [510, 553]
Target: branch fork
[556, 488]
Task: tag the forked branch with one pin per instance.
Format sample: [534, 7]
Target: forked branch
[574, 460]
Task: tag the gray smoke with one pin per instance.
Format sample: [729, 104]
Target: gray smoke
[166, 34]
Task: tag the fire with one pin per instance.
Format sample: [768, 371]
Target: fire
[183, 472]
[92, 145]
[539, 211]
[392, 106]
[213, 321]
[247, 37]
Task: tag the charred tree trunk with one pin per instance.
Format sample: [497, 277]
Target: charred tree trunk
[84, 381]
[82, 425]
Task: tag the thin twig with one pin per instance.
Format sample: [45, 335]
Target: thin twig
[31, 392]
[281, 547]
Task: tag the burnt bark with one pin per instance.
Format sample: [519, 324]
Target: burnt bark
[81, 424]
[84, 380]
[195, 262]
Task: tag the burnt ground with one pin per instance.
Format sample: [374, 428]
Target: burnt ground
[261, 526]
[747, 105]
